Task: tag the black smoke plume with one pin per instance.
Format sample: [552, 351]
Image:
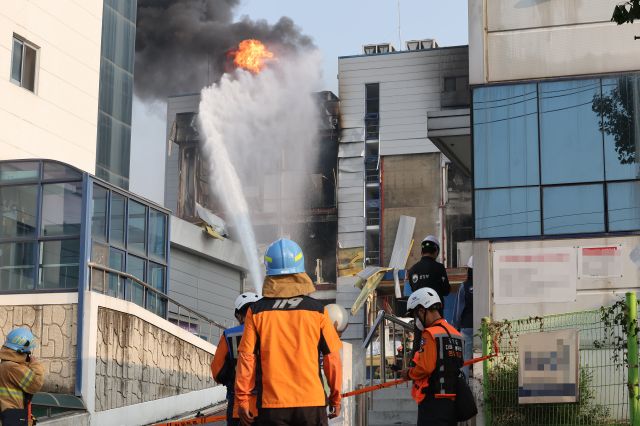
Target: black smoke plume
[183, 45]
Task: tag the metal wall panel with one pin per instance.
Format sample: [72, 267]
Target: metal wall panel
[350, 224]
[350, 180]
[353, 209]
[346, 195]
[203, 285]
[351, 149]
[350, 239]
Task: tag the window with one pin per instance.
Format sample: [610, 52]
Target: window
[505, 136]
[620, 123]
[18, 210]
[624, 206]
[372, 110]
[571, 142]
[61, 209]
[19, 171]
[136, 229]
[507, 212]
[116, 285]
[99, 213]
[157, 280]
[59, 264]
[134, 291]
[449, 84]
[573, 209]
[569, 130]
[23, 64]
[157, 234]
[117, 219]
[17, 266]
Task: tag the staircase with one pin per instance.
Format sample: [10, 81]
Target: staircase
[392, 406]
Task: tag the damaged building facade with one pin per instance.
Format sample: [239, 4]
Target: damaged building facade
[188, 193]
[389, 168]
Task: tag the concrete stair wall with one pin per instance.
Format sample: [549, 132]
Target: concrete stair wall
[392, 407]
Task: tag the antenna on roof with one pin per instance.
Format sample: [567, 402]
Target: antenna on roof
[399, 33]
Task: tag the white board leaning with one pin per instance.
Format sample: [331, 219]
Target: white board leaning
[548, 367]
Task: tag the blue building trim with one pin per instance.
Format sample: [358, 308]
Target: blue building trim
[83, 276]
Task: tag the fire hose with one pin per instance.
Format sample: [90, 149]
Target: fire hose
[211, 419]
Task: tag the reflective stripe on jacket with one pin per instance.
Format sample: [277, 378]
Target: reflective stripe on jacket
[17, 378]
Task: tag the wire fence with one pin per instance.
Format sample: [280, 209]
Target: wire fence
[603, 374]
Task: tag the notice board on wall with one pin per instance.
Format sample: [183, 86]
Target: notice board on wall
[534, 275]
[600, 262]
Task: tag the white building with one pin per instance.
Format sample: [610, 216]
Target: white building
[387, 164]
[50, 62]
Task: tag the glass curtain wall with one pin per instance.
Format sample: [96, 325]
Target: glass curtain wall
[40, 221]
[130, 236]
[116, 91]
[557, 157]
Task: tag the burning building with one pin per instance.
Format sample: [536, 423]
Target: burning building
[188, 191]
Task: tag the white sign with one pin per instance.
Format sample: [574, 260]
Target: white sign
[600, 262]
[534, 275]
[549, 365]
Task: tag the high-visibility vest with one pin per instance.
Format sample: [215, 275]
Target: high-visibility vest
[449, 360]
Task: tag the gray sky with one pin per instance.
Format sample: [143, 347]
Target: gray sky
[338, 28]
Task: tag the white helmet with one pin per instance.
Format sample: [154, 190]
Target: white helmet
[244, 298]
[424, 296]
[470, 262]
[339, 316]
[430, 241]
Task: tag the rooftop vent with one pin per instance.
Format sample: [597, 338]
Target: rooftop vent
[376, 49]
[425, 44]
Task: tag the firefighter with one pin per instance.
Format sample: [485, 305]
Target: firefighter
[223, 366]
[437, 363]
[21, 376]
[285, 334]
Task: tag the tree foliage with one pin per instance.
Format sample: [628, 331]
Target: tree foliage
[626, 12]
[616, 111]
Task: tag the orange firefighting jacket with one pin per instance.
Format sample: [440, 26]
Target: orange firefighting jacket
[433, 350]
[17, 377]
[284, 337]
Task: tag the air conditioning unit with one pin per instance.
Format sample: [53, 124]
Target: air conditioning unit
[413, 45]
[424, 44]
[369, 49]
[386, 48]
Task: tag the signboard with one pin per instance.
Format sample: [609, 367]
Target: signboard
[549, 364]
[600, 262]
[534, 275]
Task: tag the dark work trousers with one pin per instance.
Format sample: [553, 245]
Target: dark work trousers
[230, 420]
[295, 416]
[436, 412]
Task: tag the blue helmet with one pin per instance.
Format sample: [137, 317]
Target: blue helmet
[284, 257]
[20, 340]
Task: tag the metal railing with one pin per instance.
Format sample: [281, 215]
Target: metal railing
[112, 282]
[388, 329]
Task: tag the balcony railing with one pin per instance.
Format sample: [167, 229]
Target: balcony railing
[112, 282]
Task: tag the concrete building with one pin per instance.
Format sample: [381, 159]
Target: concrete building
[389, 167]
[556, 95]
[188, 194]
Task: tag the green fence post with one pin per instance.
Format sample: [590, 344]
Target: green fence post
[632, 355]
[486, 349]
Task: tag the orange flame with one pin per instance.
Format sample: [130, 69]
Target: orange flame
[251, 55]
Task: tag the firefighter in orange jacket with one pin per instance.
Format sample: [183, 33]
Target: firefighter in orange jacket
[20, 377]
[437, 363]
[285, 333]
[223, 366]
